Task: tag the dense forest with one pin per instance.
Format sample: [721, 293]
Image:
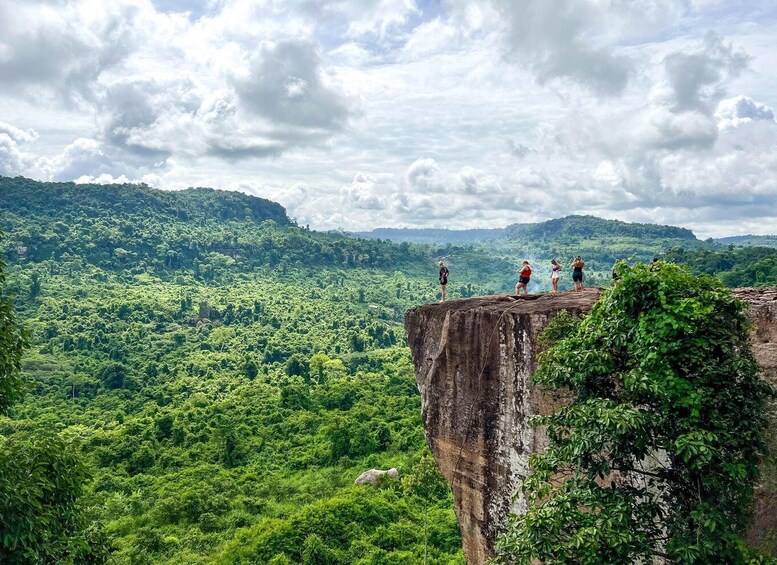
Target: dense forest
[217, 376]
[734, 266]
[225, 379]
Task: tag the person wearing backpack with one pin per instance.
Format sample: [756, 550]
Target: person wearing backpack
[524, 275]
[443, 279]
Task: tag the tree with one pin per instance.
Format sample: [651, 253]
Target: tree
[656, 455]
[35, 286]
[13, 340]
[80, 383]
[427, 484]
[250, 369]
[316, 552]
[338, 432]
[298, 366]
[322, 368]
[113, 375]
[41, 477]
[41, 474]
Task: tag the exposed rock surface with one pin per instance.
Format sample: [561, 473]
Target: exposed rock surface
[473, 360]
[373, 476]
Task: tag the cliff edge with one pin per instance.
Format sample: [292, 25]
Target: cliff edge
[473, 361]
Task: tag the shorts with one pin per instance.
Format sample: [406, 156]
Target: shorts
[577, 276]
[523, 280]
[554, 276]
[443, 282]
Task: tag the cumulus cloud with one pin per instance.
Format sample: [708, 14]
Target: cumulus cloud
[231, 84]
[425, 175]
[13, 159]
[361, 113]
[518, 150]
[555, 37]
[530, 177]
[367, 192]
[379, 17]
[59, 49]
[699, 79]
[657, 127]
[741, 110]
[285, 84]
[16, 134]
[83, 157]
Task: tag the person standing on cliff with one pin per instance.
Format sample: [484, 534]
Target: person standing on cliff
[555, 274]
[577, 272]
[443, 279]
[523, 279]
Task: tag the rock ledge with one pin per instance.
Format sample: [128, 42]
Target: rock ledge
[473, 360]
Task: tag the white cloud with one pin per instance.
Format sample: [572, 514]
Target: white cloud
[740, 110]
[699, 79]
[285, 84]
[362, 113]
[13, 159]
[18, 135]
[379, 17]
[558, 39]
[424, 175]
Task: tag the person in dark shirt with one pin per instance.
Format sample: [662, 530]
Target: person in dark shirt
[443, 279]
[577, 272]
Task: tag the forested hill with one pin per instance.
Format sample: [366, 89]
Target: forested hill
[133, 226]
[750, 240]
[67, 200]
[578, 227]
[586, 227]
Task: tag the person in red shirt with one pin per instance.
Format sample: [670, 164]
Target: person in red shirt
[524, 275]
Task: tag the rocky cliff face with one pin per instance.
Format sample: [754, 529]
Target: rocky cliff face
[473, 361]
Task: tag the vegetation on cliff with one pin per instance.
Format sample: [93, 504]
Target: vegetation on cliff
[657, 453]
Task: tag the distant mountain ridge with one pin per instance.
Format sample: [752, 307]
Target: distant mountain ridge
[432, 236]
[566, 227]
[749, 240]
[25, 196]
[132, 226]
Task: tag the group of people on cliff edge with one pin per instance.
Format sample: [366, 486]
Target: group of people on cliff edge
[524, 275]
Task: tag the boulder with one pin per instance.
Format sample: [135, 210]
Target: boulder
[374, 476]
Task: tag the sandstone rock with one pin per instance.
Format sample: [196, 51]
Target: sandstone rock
[373, 476]
[473, 359]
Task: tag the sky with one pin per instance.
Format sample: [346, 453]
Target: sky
[358, 114]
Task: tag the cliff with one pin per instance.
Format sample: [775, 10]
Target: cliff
[473, 362]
